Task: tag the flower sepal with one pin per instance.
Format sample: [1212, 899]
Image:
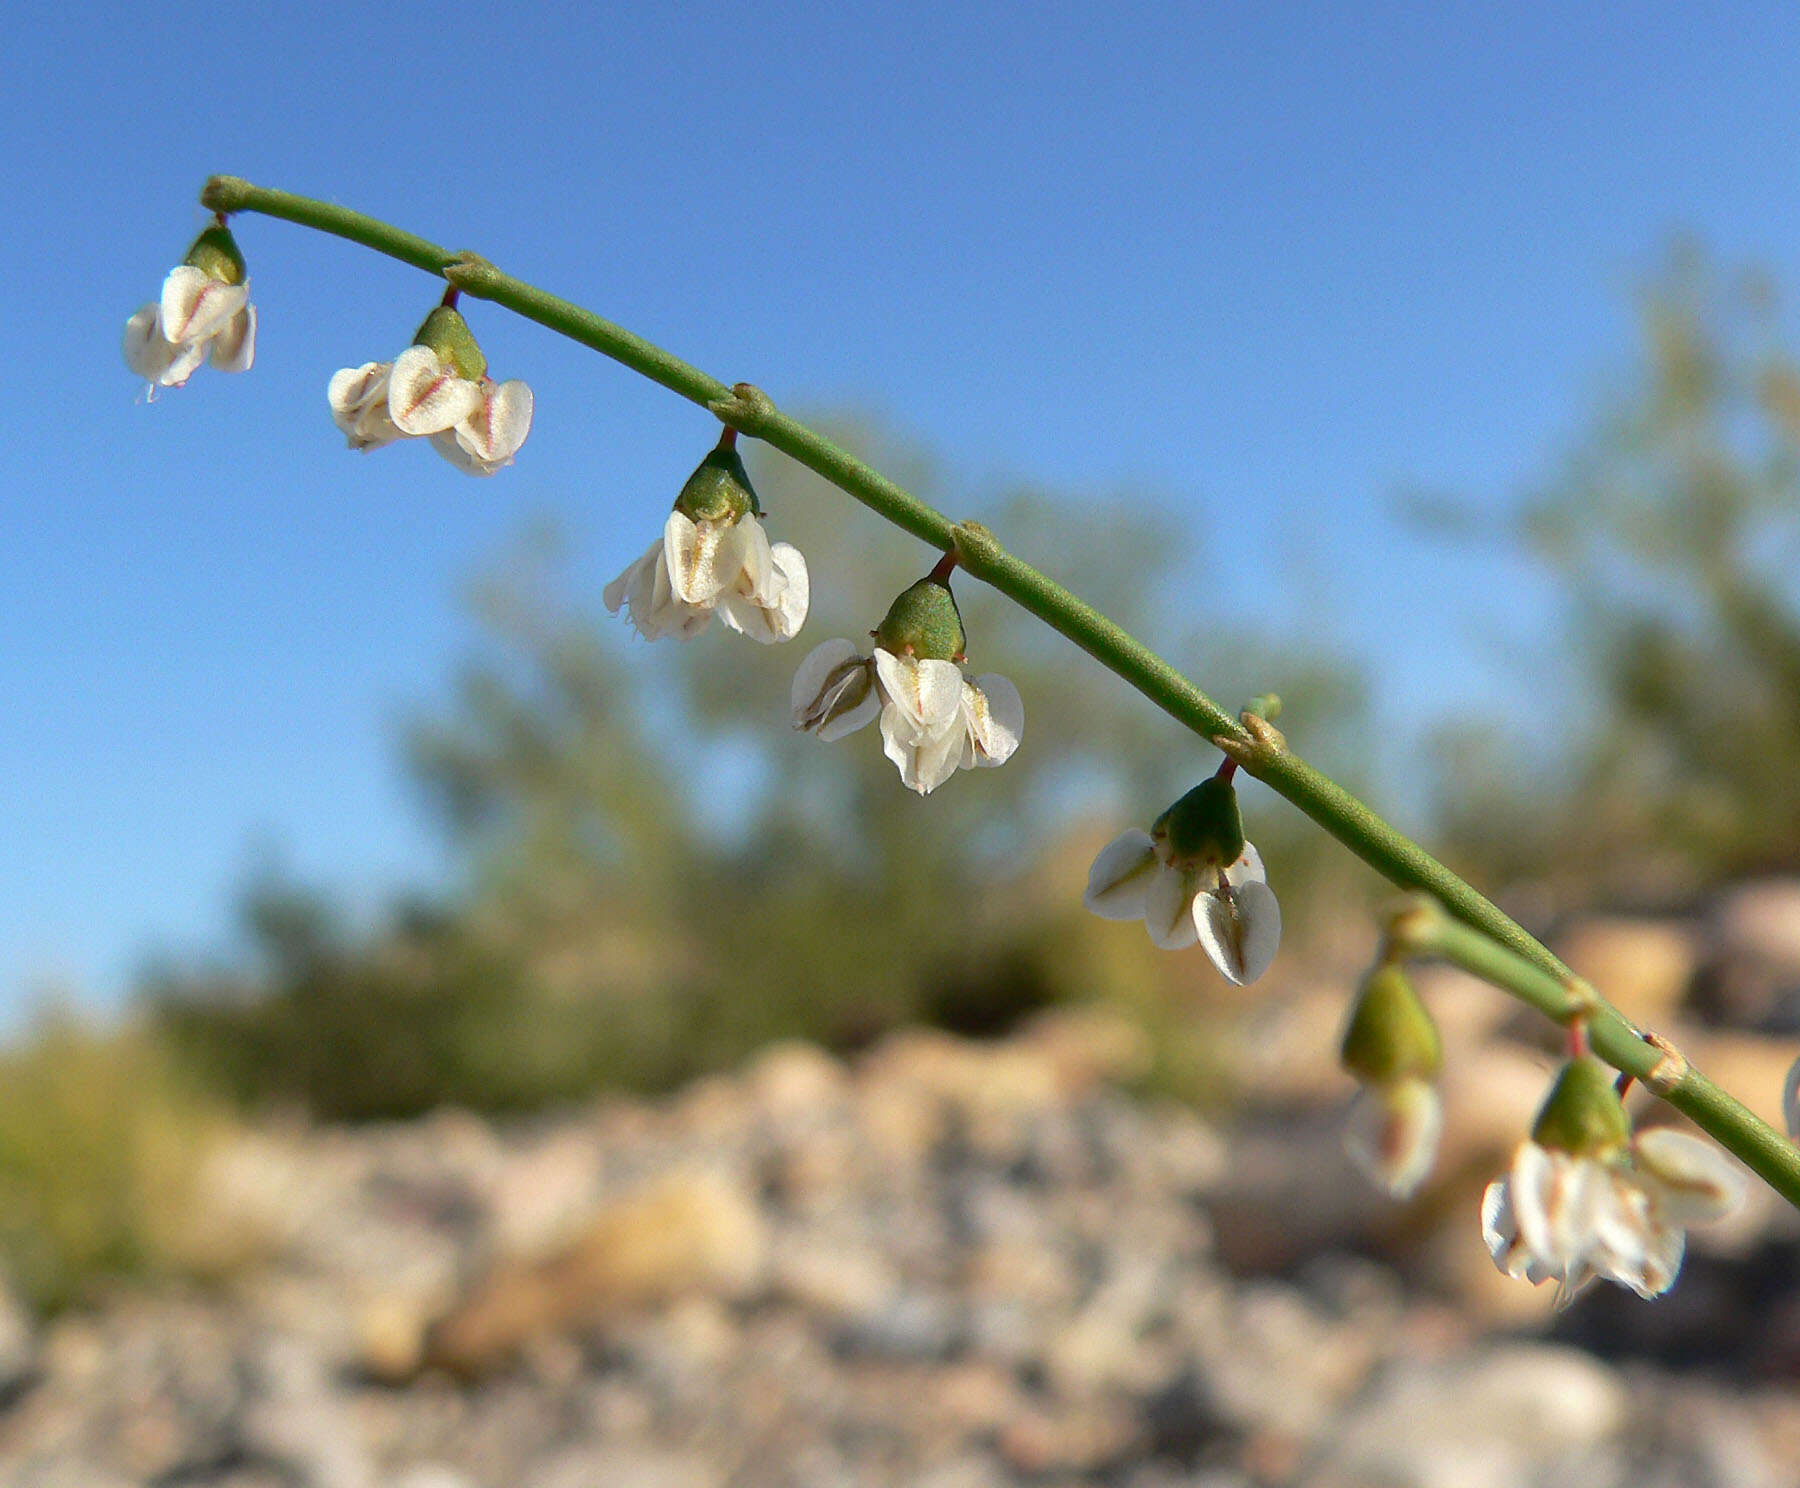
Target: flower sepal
[216, 254]
[1390, 1036]
[1583, 1115]
[448, 335]
[1205, 828]
[719, 490]
[924, 623]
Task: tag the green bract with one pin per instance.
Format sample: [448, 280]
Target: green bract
[923, 623]
[1390, 1037]
[1204, 828]
[448, 334]
[1583, 1114]
[719, 490]
[215, 253]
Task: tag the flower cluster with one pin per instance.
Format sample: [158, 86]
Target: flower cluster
[934, 720]
[204, 311]
[714, 556]
[1585, 1198]
[438, 387]
[1193, 878]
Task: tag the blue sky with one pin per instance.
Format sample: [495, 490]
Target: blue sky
[1273, 263]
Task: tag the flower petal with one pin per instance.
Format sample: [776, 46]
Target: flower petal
[994, 716]
[1689, 1181]
[234, 348]
[426, 397]
[637, 574]
[796, 593]
[1240, 933]
[925, 760]
[500, 428]
[703, 557]
[358, 399]
[1392, 1134]
[1169, 908]
[1247, 869]
[834, 690]
[926, 696]
[1500, 1229]
[195, 306]
[1120, 875]
[183, 364]
[1556, 1198]
[147, 353]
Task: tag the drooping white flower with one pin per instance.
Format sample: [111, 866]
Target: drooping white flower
[758, 588]
[436, 388]
[204, 311]
[934, 721]
[714, 556]
[1178, 880]
[1615, 1210]
[1391, 1045]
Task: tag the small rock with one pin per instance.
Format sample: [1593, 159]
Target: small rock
[689, 1232]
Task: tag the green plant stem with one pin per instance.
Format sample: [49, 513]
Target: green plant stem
[1422, 929]
[1255, 744]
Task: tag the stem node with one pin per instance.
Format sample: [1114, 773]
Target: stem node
[746, 408]
[1414, 928]
[472, 274]
[1669, 1071]
[224, 193]
[975, 546]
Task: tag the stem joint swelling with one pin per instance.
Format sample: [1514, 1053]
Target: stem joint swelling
[224, 193]
[472, 274]
[746, 408]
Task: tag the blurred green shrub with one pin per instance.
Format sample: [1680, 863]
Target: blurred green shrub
[1671, 537]
[100, 1144]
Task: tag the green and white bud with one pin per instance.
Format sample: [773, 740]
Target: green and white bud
[1392, 1046]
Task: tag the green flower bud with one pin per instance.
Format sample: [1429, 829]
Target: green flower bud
[924, 622]
[215, 253]
[1583, 1114]
[448, 334]
[719, 490]
[1390, 1036]
[1204, 828]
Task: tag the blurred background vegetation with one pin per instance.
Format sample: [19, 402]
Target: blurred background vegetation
[657, 875]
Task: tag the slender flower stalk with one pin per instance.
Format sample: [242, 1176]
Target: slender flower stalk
[1254, 744]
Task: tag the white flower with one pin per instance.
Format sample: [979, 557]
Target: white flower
[478, 425]
[934, 721]
[198, 316]
[1230, 911]
[1392, 1133]
[1556, 1216]
[759, 589]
